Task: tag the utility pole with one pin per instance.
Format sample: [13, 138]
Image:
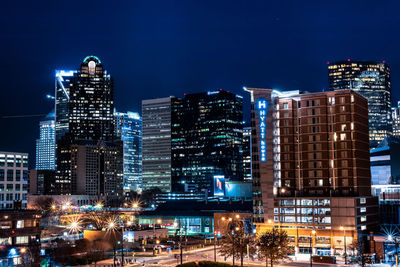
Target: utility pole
[215, 246]
[233, 247]
[122, 258]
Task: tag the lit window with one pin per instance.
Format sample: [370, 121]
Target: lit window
[363, 200]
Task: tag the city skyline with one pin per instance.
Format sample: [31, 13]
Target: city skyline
[150, 61]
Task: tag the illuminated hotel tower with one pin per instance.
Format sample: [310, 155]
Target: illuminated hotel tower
[311, 166]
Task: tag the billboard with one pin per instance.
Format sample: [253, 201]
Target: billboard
[129, 236]
[219, 185]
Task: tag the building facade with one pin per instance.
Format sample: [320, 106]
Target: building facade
[311, 167]
[89, 156]
[128, 127]
[13, 180]
[20, 233]
[62, 97]
[372, 80]
[46, 144]
[156, 141]
[396, 120]
[247, 176]
[207, 140]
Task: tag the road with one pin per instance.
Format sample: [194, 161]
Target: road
[169, 260]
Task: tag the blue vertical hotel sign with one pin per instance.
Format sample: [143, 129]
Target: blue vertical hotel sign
[262, 113]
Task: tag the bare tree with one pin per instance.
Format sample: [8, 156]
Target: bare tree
[236, 242]
[273, 246]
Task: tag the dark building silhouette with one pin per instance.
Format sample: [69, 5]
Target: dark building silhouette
[206, 140]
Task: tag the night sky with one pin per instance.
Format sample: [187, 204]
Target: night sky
[161, 48]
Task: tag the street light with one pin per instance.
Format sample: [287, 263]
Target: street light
[75, 225]
[344, 239]
[311, 245]
[23, 251]
[111, 227]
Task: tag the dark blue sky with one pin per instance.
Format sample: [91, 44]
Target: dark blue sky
[161, 48]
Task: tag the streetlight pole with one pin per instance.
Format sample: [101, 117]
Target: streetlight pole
[122, 257]
[215, 246]
[233, 247]
[311, 246]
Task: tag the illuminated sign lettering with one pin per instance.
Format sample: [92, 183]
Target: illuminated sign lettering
[262, 113]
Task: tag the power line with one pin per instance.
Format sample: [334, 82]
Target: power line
[22, 116]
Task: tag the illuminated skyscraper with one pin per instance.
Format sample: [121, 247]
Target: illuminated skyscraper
[206, 140]
[396, 120]
[372, 80]
[156, 114]
[45, 145]
[62, 88]
[89, 157]
[128, 127]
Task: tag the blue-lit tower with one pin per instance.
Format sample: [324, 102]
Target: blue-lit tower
[62, 91]
[128, 126]
[45, 145]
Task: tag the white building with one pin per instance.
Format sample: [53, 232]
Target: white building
[13, 180]
[46, 144]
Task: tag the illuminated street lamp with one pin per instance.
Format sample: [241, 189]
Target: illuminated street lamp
[75, 225]
[23, 251]
[344, 239]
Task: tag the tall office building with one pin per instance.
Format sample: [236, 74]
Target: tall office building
[89, 157]
[62, 89]
[128, 127]
[13, 180]
[206, 140]
[311, 167]
[156, 116]
[45, 145]
[372, 80]
[396, 120]
[247, 154]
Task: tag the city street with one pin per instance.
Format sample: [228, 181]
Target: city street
[203, 254]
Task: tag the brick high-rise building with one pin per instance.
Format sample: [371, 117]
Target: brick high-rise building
[310, 158]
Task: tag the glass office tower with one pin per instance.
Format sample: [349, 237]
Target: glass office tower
[89, 156]
[156, 114]
[371, 80]
[45, 145]
[207, 140]
[128, 127]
